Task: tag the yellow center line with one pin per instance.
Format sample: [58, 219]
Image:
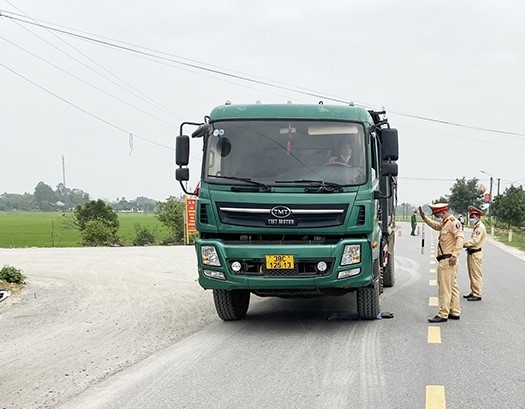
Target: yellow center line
[434, 335]
[435, 397]
[435, 394]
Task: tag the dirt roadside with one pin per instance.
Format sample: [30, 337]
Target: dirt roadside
[88, 313]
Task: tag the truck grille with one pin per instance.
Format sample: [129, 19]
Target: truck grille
[299, 215]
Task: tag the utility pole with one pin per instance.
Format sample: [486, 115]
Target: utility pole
[490, 190]
[490, 202]
[63, 172]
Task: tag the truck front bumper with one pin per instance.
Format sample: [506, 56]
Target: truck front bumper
[254, 273]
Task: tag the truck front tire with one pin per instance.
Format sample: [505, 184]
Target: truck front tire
[231, 305]
[368, 302]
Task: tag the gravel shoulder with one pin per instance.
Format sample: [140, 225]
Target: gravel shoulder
[88, 313]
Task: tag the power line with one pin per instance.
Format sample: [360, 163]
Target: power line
[87, 83]
[199, 66]
[439, 121]
[195, 66]
[137, 92]
[462, 137]
[83, 110]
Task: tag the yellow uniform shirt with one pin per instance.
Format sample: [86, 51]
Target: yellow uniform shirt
[451, 238]
[478, 237]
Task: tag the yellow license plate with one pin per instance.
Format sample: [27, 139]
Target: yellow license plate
[279, 262]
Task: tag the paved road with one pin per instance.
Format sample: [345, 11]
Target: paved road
[287, 353]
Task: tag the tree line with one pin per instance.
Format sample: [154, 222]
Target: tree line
[45, 199]
[507, 208]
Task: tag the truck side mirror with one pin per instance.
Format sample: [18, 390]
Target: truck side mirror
[182, 174]
[182, 150]
[201, 131]
[389, 144]
[389, 169]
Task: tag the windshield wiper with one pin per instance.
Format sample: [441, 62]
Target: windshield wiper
[317, 185]
[247, 180]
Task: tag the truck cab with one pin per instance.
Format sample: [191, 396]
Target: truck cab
[294, 201]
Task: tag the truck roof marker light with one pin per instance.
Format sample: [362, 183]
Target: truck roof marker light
[214, 274]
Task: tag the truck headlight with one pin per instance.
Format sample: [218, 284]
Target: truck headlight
[351, 254]
[209, 256]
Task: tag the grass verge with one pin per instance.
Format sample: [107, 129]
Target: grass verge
[40, 229]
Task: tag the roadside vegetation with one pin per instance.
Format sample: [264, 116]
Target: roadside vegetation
[12, 274]
[95, 223]
[98, 224]
[11, 279]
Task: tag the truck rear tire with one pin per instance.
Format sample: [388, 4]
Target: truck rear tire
[368, 302]
[231, 305]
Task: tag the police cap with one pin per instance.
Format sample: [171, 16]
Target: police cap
[438, 207]
[474, 210]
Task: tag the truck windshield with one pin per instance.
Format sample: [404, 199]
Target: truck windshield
[285, 153]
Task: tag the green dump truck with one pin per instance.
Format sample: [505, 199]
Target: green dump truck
[294, 201]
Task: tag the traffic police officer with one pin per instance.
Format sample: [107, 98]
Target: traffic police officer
[450, 244]
[474, 255]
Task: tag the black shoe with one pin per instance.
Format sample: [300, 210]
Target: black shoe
[467, 296]
[437, 318]
[453, 317]
[474, 298]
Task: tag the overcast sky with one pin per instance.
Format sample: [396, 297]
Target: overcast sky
[61, 96]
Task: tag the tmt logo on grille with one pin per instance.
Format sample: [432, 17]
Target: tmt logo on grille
[281, 212]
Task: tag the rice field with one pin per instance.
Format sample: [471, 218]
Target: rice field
[39, 229]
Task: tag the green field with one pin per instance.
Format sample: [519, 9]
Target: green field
[37, 229]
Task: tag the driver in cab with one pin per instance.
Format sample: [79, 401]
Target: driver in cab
[343, 154]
